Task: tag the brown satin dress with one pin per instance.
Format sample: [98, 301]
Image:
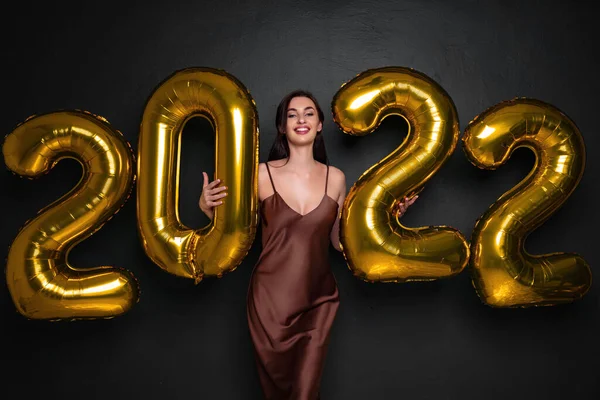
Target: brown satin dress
[292, 297]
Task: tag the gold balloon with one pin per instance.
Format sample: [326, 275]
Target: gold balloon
[376, 246]
[42, 283]
[222, 244]
[503, 273]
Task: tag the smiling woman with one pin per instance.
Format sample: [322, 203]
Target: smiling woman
[293, 296]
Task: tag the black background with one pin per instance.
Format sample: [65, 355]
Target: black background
[431, 340]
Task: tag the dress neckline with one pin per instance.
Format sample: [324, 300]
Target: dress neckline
[275, 192]
[296, 212]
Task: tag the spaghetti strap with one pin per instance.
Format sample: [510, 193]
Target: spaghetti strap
[270, 177]
[326, 179]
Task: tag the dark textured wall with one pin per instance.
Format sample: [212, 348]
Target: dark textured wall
[390, 341]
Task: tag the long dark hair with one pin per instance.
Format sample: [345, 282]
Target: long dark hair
[281, 147]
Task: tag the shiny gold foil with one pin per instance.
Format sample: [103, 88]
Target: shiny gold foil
[503, 273]
[376, 246]
[220, 246]
[42, 283]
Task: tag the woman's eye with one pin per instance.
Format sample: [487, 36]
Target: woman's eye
[310, 114]
[291, 115]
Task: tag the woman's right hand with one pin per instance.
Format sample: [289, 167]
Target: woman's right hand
[211, 196]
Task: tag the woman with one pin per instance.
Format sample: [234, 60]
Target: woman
[293, 296]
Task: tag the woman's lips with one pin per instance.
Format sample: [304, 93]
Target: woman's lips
[302, 131]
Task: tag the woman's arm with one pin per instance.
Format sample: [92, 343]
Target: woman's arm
[340, 182]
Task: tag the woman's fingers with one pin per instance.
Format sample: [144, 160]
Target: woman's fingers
[213, 183]
[401, 206]
[217, 190]
[213, 194]
[217, 196]
[211, 188]
[399, 209]
[215, 200]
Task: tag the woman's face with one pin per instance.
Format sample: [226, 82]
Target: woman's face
[302, 121]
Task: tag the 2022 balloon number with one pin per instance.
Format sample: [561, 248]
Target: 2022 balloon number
[376, 247]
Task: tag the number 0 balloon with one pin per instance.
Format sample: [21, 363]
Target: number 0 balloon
[226, 103]
[376, 246]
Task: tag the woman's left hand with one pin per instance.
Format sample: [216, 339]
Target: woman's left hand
[401, 206]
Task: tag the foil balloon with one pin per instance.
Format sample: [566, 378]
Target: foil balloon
[376, 246]
[220, 246]
[42, 283]
[503, 273]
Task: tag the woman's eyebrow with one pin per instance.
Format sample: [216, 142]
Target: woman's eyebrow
[289, 109]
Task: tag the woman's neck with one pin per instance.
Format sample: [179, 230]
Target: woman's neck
[301, 159]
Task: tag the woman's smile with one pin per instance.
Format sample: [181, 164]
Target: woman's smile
[302, 130]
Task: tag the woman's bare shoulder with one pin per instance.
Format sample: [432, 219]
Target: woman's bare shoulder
[262, 167]
[337, 180]
[263, 174]
[264, 185]
[276, 163]
[336, 174]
